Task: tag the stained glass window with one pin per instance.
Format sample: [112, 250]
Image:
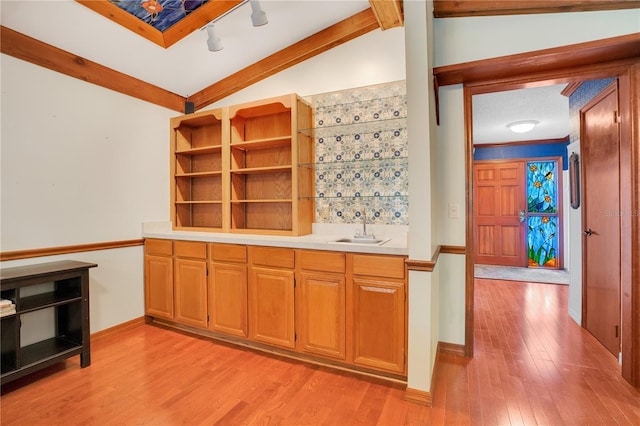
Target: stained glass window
[161, 14]
[541, 187]
[542, 212]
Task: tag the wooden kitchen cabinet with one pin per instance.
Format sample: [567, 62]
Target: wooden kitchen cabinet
[321, 303]
[271, 296]
[190, 280]
[347, 308]
[379, 312]
[158, 278]
[228, 289]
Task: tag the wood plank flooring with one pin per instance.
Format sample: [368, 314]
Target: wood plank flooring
[532, 365]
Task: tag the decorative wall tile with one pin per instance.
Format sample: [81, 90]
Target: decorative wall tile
[361, 155]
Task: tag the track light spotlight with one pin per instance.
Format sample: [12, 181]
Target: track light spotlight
[213, 42]
[258, 16]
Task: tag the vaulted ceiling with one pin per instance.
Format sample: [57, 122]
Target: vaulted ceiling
[118, 44]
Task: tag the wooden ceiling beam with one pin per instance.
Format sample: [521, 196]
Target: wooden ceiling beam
[348, 29]
[28, 49]
[542, 61]
[460, 8]
[389, 13]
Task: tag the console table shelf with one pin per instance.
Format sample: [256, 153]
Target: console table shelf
[59, 286]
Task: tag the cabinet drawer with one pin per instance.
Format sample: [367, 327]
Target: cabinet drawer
[158, 247]
[192, 249]
[378, 266]
[228, 253]
[326, 261]
[272, 256]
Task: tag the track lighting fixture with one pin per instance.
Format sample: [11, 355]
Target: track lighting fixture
[258, 18]
[213, 42]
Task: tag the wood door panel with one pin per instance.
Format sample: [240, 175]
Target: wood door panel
[485, 237]
[510, 242]
[601, 248]
[271, 307]
[509, 201]
[191, 292]
[485, 208]
[159, 286]
[499, 195]
[228, 299]
[378, 325]
[322, 313]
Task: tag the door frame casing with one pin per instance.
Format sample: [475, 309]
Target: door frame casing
[628, 74]
[612, 87]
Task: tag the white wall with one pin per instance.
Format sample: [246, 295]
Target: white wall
[81, 164]
[373, 58]
[467, 39]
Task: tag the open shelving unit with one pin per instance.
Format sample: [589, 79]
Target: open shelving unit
[197, 190]
[238, 168]
[63, 288]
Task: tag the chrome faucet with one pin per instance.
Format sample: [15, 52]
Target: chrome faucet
[364, 228]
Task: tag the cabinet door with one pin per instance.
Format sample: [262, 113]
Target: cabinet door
[191, 292]
[228, 299]
[321, 314]
[379, 324]
[271, 306]
[158, 286]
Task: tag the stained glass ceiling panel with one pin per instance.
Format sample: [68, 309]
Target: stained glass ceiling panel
[161, 14]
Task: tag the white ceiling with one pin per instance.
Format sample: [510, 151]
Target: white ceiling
[188, 66]
[493, 111]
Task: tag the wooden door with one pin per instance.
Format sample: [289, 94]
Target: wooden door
[601, 218]
[271, 306]
[378, 324]
[228, 299]
[499, 205]
[191, 292]
[158, 288]
[321, 314]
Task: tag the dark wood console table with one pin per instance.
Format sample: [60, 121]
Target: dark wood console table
[62, 287]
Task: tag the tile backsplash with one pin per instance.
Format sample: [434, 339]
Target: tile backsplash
[361, 156]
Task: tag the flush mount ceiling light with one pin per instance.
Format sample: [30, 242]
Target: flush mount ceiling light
[258, 18]
[522, 126]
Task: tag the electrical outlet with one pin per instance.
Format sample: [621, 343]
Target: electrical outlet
[454, 210]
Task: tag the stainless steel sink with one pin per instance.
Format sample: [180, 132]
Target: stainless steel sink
[372, 241]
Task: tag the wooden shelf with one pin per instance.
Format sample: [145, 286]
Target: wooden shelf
[48, 349]
[238, 168]
[47, 300]
[275, 200]
[263, 143]
[201, 151]
[59, 286]
[198, 174]
[261, 170]
[199, 202]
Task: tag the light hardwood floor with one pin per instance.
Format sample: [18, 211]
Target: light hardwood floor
[532, 365]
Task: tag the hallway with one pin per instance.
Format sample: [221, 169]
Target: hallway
[532, 365]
